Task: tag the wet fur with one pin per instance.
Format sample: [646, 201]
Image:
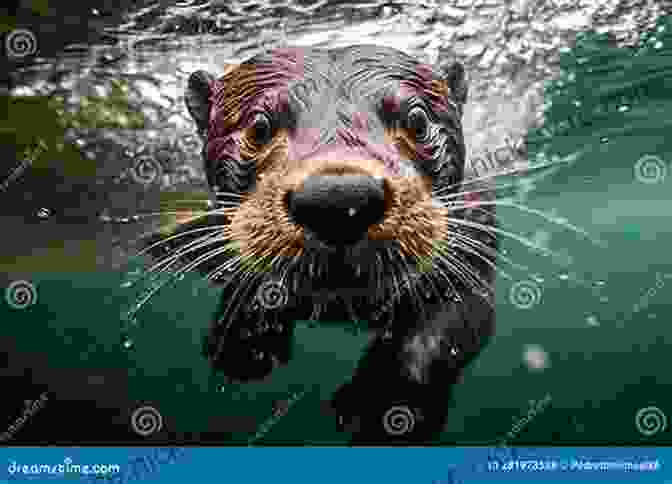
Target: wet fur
[425, 263]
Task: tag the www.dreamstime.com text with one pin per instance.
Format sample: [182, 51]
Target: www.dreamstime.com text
[17, 470]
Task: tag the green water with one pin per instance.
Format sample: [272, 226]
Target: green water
[605, 341]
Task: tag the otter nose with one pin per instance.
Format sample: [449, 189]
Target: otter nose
[338, 209]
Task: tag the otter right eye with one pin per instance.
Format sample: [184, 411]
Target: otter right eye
[262, 128]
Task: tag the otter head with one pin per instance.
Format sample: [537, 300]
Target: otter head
[332, 168]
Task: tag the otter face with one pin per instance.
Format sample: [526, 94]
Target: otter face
[333, 169]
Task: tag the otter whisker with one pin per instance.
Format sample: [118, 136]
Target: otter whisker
[232, 309]
[409, 281]
[473, 275]
[210, 228]
[224, 267]
[511, 171]
[532, 211]
[463, 246]
[204, 258]
[197, 244]
[456, 222]
[490, 189]
[448, 261]
[496, 254]
[239, 196]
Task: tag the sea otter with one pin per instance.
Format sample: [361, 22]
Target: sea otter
[337, 169]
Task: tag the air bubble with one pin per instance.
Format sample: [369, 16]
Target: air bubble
[127, 344]
[126, 284]
[658, 45]
[624, 108]
[592, 321]
[563, 277]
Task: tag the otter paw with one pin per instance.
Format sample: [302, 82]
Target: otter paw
[376, 415]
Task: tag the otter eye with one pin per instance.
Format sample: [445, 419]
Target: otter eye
[418, 123]
[262, 128]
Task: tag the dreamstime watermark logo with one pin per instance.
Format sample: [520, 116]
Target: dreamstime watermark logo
[146, 421]
[399, 420]
[279, 412]
[650, 421]
[20, 43]
[536, 407]
[272, 295]
[20, 294]
[650, 170]
[146, 170]
[31, 408]
[502, 156]
[525, 294]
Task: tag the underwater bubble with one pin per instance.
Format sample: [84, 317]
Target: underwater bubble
[623, 108]
[538, 278]
[222, 388]
[127, 344]
[535, 357]
[563, 277]
[604, 140]
[658, 45]
[43, 213]
[592, 321]
[126, 284]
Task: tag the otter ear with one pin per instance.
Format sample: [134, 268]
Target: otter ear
[197, 98]
[455, 76]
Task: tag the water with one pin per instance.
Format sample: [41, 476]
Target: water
[113, 144]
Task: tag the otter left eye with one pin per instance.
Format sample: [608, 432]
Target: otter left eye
[263, 129]
[418, 123]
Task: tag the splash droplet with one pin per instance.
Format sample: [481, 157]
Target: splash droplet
[43, 213]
